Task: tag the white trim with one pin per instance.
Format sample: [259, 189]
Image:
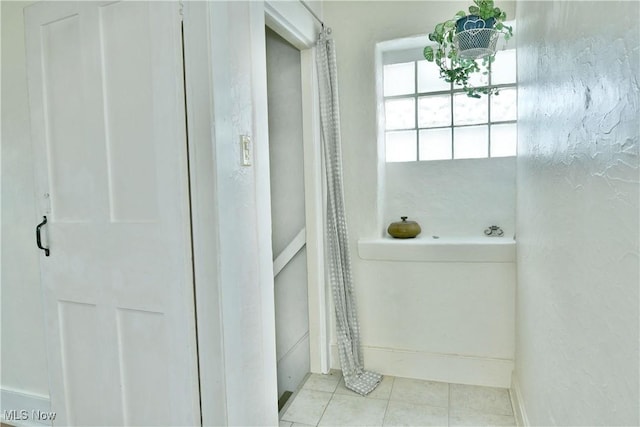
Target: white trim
[242, 279]
[380, 136]
[208, 35]
[263, 209]
[519, 411]
[296, 25]
[314, 216]
[428, 249]
[289, 252]
[292, 22]
[295, 347]
[32, 404]
[205, 224]
[450, 368]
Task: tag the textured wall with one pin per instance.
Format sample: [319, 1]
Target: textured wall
[287, 209]
[577, 212]
[452, 198]
[239, 86]
[24, 361]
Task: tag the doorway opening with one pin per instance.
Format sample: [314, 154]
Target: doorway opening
[286, 155]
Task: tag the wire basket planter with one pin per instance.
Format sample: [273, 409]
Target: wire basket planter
[466, 44]
[476, 43]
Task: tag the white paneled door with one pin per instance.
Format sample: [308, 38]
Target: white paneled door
[108, 125]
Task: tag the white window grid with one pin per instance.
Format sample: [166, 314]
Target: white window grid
[451, 92]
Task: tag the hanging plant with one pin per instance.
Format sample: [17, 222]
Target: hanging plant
[466, 45]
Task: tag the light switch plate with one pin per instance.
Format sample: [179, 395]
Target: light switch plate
[245, 147]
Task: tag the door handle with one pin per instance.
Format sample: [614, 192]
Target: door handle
[38, 241]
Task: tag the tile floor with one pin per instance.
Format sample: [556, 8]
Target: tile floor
[323, 400]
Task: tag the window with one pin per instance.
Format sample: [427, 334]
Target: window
[427, 118]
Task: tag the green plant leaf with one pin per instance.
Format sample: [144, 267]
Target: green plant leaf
[428, 53]
[474, 10]
[454, 69]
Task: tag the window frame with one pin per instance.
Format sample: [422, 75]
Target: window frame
[451, 92]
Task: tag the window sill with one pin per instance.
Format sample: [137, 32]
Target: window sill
[428, 249]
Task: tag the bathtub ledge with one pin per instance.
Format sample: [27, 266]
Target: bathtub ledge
[428, 249]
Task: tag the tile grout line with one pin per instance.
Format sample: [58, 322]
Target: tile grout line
[449, 406]
[333, 394]
[384, 416]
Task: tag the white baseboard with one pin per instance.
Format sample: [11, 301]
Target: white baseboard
[23, 409]
[519, 411]
[449, 368]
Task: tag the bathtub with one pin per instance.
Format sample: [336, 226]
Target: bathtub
[438, 309]
[442, 249]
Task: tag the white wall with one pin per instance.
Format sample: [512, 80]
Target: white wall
[577, 212]
[245, 259]
[452, 198]
[415, 315]
[24, 363]
[287, 209]
[451, 322]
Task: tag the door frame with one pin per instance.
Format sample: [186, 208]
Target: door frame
[202, 29]
[297, 26]
[204, 215]
[291, 21]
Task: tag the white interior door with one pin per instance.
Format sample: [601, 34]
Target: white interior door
[108, 122]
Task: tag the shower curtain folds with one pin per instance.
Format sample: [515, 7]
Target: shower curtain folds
[347, 328]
